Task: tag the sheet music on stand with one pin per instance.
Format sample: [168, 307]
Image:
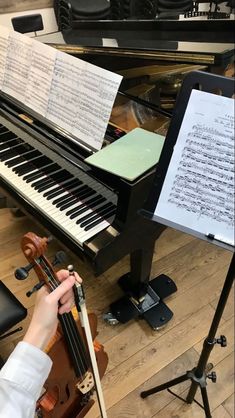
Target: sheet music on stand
[71, 93]
[197, 193]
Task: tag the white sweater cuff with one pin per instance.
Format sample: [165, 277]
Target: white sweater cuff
[28, 367]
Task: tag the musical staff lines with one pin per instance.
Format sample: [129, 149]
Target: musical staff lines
[198, 191]
[72, 93]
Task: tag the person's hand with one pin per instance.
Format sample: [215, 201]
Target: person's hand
[44, 321]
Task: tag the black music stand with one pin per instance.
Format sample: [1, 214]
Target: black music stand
[199, 374]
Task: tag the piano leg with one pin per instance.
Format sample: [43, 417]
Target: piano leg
[143, 297]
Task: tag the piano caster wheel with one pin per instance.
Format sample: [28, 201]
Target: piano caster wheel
[110, 318]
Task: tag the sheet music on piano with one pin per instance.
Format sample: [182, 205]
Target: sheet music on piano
[198, 191]
[74, 94]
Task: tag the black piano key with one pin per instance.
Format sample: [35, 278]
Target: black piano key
[60, 178]
[96, 212]
[89, 204]
[16, 151]
[56, 178]
[44, 184]
[86, 193]
[101, 216]
[62, 183]
[99, 220]
[46, 170]
[81, 204]
[63, 199]
[33, 176]
[6, 136]
[30, 165]
[3, 129]
[15, 161]
[66, 188]
[10, 143]
[69, 185]
[47, 179]
[13, 148]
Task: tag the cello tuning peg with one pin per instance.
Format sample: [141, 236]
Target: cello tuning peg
[34, 289]
[60, 257]
[23, 272]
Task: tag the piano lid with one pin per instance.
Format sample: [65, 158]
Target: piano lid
[152, 56]
[146, 35]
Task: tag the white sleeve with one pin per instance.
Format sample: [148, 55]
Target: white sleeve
[21, 381]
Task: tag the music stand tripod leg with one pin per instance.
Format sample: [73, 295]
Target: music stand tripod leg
[198, 374]
[164, 386]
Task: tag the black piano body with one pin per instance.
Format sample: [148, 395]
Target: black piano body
[128, 233]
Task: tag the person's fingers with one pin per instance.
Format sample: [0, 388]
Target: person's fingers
[66, 297]
[62, 289]
[63, 274]
[77, 277]
[66, 307]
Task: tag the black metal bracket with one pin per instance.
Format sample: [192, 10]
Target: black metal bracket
[150, 306]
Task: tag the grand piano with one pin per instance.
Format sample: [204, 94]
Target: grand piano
[44, 171]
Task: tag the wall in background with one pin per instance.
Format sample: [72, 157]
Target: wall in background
[21, 5]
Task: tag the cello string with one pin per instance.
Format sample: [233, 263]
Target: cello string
[80, 345]
[77, 358]
[71, 339]
[75, 342]
[81, 348]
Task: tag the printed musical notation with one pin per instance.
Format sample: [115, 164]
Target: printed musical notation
[74, 94]
[198, 191]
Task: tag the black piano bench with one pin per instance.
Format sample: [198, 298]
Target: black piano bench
[11, 311]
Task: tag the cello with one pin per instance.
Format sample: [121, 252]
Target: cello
[79, 361]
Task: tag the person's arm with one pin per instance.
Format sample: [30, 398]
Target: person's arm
[23, 375]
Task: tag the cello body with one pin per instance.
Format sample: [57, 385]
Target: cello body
[70, 384]
[62, 399]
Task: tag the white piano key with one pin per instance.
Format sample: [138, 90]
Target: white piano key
[45, 206]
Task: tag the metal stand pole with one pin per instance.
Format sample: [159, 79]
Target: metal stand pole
[198, 375]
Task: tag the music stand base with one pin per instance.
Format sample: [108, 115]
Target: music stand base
[150, 306]
[189, 375]
[198, 375]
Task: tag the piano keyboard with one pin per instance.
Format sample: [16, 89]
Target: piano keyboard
[73, 200]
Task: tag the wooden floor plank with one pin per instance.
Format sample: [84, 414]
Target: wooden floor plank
[139, 357]
[134, 406]
[217, 393]
[221, 412]
[147, 362]
[140, 334]
[228, 404]
[229, 308]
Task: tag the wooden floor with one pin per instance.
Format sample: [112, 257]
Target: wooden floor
[140, 358]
